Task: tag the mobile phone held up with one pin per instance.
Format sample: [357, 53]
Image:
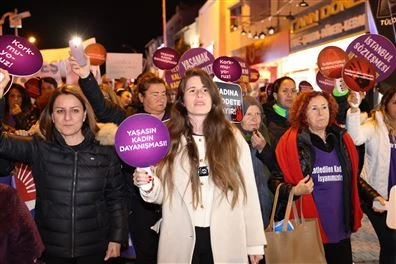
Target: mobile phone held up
[77, 50]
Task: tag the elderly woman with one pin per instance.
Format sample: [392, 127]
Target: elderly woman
[378, 135]
[256, 134]
[319, 159]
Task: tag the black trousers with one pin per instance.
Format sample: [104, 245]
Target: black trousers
[94, 259]
[338, 253]
[141, 217]
[202, 249]
[386, 236]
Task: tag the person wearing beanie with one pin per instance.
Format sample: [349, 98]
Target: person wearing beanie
[256, 134]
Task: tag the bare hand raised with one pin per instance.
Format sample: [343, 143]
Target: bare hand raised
[4, 80]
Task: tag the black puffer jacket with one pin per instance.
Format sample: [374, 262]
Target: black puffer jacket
[80, 204]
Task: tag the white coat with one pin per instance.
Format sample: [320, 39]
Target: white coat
[235, 232]
[374, 134]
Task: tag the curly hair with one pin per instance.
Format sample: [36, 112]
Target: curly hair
[298, 112]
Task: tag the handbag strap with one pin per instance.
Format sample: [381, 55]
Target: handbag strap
[274, 204]
[298, 217]
[290, 204]
[288, 209]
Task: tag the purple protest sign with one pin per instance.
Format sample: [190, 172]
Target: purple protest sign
[18, 56]
[142, 140]
[325, 83]
[227, 69]
[165, 58]
[173, 78]
[196, 57]
[378, 50]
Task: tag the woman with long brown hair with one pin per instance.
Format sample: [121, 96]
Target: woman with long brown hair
[205, 183]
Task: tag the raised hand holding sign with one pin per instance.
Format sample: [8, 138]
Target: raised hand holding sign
[142, 140]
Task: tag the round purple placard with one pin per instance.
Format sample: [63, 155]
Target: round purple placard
[227, 69]
[165, 58]
[378, 50]
[142, 140]
[324, 83]
[196, 57]
[18, 56]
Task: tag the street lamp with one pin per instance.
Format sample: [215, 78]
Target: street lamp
[32, 39]
[15, 20]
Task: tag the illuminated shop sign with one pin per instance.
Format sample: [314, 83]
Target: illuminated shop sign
[332, 21]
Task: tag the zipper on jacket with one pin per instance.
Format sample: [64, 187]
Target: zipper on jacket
[73, 201]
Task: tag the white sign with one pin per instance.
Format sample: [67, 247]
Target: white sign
[127, 65]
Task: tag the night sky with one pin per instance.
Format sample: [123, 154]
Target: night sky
[112, 24]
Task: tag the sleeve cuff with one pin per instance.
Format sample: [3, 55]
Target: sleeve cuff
[255, 250]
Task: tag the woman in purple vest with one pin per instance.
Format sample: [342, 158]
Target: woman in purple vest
[318, 159]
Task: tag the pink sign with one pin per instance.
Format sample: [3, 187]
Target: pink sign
[18, 56]
[142, 140]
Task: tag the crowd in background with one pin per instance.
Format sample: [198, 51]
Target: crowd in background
[288, 135]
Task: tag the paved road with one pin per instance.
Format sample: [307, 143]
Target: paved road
[365, 245]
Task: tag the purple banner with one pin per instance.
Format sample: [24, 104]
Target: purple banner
[196, 57]
[378, 50]
[18, 56]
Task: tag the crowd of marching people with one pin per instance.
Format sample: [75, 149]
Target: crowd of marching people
[212, 193]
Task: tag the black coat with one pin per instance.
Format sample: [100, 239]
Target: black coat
[80, 192]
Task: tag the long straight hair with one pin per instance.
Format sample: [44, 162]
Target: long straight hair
[221, 145]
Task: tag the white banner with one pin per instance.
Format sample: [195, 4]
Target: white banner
[127, 65]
